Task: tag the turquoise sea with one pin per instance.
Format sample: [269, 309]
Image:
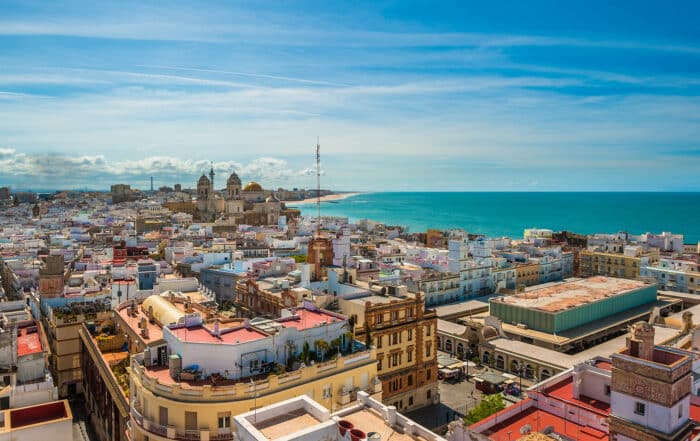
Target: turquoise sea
[508, 214]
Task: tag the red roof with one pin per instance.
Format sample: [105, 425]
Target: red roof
[41, 413]
[538, 420]
[200, 334]
[305, 319]
[564, 391]
[28, 341]
[602, 364]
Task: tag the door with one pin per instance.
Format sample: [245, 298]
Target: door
[162, 416]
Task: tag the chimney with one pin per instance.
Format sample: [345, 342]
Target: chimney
[640, 343]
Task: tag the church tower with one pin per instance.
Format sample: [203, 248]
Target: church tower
[203, 188]
[650, 390]
[233, 187]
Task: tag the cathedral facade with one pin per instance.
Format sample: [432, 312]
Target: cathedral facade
[236, 205]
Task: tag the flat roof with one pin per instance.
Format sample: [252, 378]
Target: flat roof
[566, 295]
[564, 391]
[41, 413]
[200, 334]
[305, 318]
[290, 422]
[369, 420]
[28, 341]
[539, 420]
[155, 332]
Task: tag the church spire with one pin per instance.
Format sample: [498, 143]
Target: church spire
[211, 176]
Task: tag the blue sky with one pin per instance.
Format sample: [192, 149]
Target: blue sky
[437, 96]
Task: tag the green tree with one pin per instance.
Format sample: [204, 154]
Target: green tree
[489, 405]
[305, 352]
[299, 258]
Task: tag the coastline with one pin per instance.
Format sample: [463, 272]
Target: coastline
[326, 198]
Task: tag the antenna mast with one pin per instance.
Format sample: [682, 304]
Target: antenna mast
[318, 188]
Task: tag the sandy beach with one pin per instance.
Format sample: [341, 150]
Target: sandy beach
[327, 198]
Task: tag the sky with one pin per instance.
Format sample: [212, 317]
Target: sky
[403, 96]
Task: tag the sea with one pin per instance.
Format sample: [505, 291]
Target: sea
[509, 213]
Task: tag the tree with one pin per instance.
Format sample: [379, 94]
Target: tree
[305, 352]
[489, 405]
[321, 347]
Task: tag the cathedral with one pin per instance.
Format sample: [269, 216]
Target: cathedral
[236, 205]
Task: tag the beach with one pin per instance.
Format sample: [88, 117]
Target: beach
[326, 198]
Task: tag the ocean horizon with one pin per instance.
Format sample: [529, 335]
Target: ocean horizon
[509, 213]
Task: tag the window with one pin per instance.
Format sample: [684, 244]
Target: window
[640, 408]
[409, 312]
[379, 364]
[379, 342]
[410, 400]
[409, 356]
[380, 318]
[680, 411]
[224, 420]
[428, 394]
[190, 420]
[427, 376]
[427, 350]
[394, 315]
[410, 380]
[427, 331]
[607, 390]
[395, 338]
[327, 391]
[410, 334]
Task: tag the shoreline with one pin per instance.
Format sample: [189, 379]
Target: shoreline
[326, 198]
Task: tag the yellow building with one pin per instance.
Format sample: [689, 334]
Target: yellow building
[527, 274]
[164, 409]
[404, 334]
[193, 377]
[625, 265]
[62, 325]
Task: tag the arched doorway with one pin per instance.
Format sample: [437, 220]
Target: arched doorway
[500, 362]
[486, 357]
[514, 366]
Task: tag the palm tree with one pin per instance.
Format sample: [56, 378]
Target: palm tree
[321, 347]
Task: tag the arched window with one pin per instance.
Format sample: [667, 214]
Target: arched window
[486, 359]
[460, 348]
[514, 366]
[500, 362]
[529, 372]
[448, 346]
[545, 374]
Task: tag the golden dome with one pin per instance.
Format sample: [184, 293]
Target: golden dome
[252, 186]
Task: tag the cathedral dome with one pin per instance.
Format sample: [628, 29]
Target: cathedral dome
[234, 179]
[252, 186]
[203, 180]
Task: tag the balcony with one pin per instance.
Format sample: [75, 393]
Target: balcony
[170, 432]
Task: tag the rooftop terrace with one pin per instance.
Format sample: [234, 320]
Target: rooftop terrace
[28, 341]
[201, 334]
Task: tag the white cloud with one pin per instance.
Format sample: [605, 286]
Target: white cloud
[57, 170]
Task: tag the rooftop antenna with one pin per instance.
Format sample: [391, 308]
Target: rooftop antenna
[318, 188]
